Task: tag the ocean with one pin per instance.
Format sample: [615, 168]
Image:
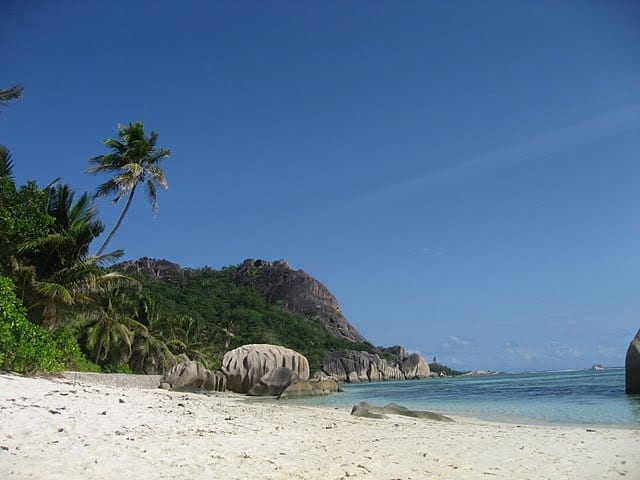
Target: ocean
[584, 397]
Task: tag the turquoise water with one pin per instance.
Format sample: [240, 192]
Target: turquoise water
[575, 397]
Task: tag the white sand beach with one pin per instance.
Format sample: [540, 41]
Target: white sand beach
[57, 429]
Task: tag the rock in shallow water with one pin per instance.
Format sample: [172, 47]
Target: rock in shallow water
[632, 366]
[363, 409]
[305, 388]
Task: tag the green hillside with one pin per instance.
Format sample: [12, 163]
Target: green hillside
[203, 313]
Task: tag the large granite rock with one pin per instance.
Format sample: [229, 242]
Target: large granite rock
[191, 375]
[246, 365]
[352, 367]
[273, 382]
[299, 293]
[414, 367]
[632, 366]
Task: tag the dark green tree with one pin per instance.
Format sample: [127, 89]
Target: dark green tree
[23, 221]
[54, 273]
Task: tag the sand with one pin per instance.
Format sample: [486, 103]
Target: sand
[58, 429]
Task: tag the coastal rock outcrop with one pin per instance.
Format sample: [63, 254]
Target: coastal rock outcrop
[246, 365]
[414, 366]
[351, 366]
[191, 375]
[355, 367]
[298, 292]
[632, 366]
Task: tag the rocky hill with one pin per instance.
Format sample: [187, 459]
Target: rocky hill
[298, 292]
[152, 268]
[211, 299]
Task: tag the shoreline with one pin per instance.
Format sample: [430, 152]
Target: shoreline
[52, 428]
[151, 382]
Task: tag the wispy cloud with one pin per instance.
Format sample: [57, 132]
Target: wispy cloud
[512, 352]
[455, 342]
[593, 125]
[563, 350]
[608, 350]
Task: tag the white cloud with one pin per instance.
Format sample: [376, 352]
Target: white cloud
[460, 341]
[455, 343]
[514, 353]
[563, 350]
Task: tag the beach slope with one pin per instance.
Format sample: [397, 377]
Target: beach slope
[59, 429]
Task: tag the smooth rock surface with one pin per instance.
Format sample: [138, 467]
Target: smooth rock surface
[244, 366]
[415, 367]
[632, 366]
[363, 409]
[192, 376]
[306, 388]
[273, 382]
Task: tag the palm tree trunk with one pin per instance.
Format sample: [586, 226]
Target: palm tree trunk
[124, 212]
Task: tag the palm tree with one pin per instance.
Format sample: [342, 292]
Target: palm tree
[110, 326]
[6, 164]
[134, 160]
[10, 94]
[55, 273]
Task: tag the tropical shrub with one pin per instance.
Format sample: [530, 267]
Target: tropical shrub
[28, 348]
[24, 346]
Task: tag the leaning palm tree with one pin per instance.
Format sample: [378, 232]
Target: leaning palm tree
[134, 160]
[9, 94]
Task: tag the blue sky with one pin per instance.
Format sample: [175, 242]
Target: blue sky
[463, 176]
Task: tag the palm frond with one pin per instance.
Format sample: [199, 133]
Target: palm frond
[54, 291]
[10, 94]
[152, 196]
[107, 188]
[157, 175]
[6, 164]
[110, 257]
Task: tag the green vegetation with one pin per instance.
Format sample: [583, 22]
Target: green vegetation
[61, 308]
[29, 348]
[203, 313]
[439, 368]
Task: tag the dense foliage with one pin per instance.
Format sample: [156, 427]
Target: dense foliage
[203, 314]
[61, 308]
[28, 348]
[23, 219]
